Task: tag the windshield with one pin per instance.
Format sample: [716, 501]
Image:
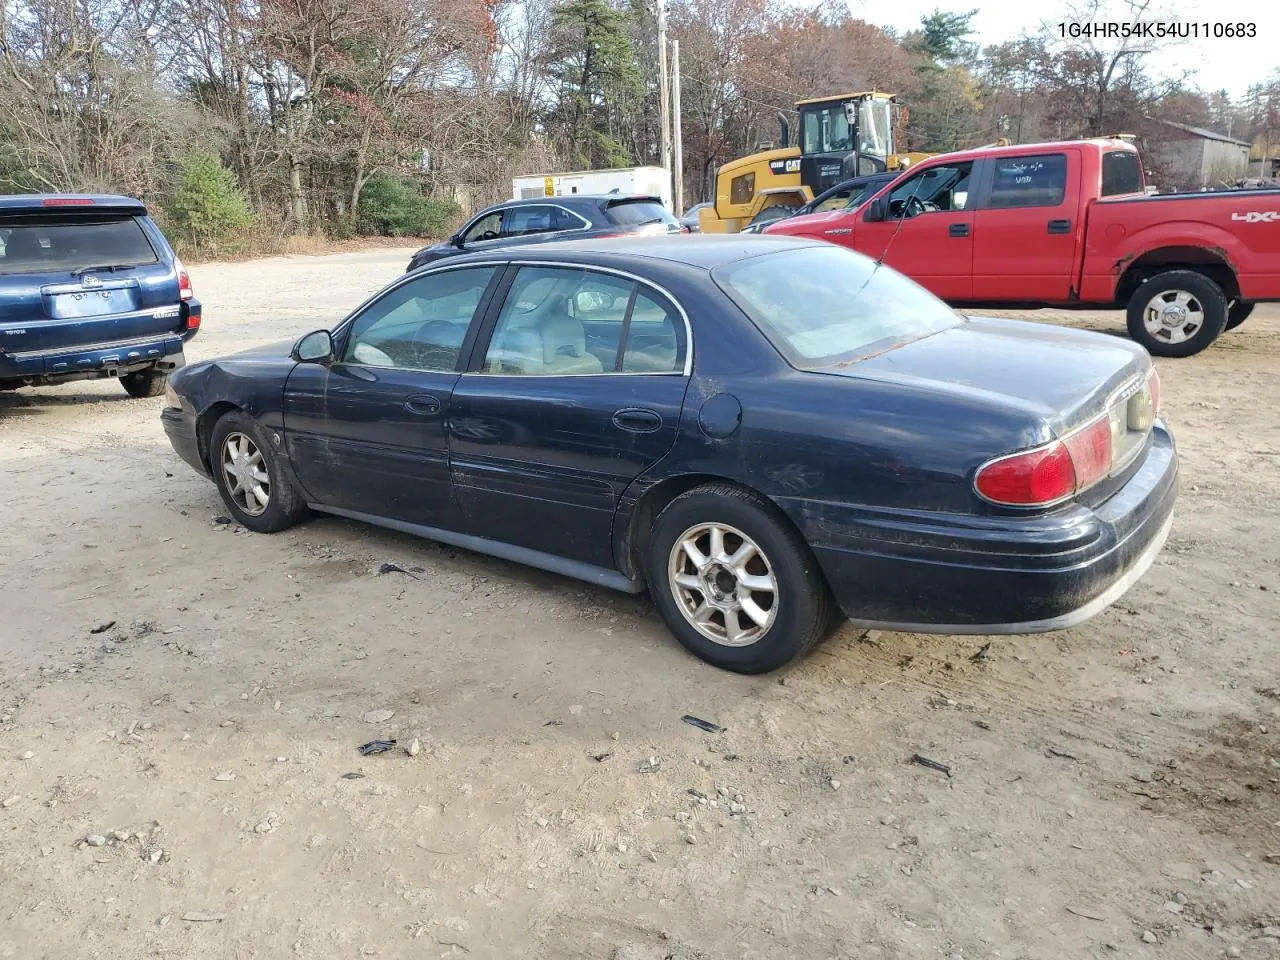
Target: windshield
[826, 130]
[823, 305]
[73, 244]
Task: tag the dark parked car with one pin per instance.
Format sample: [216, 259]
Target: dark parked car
[90, 289]
[845, 195]
[690, 220]
[519, 223]
[721, 422]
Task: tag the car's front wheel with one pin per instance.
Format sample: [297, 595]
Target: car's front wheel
[254, 484]
[735, 582]
[144, 383]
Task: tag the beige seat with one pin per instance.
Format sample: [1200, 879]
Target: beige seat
[545, 341]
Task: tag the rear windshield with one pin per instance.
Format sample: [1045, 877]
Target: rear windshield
[825, 304]
[73, 244]
[1121, 173]
[639, 212]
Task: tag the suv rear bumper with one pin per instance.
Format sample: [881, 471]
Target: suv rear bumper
[93, 361]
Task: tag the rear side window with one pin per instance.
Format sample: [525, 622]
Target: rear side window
[532, 219]
[742, 188]
[59, 246]
[639, 212]
[1029, 181]
[1121, 173]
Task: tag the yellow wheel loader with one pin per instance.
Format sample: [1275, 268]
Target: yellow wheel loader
[839, 137]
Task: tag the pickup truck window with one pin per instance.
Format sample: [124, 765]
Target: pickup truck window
[1121, 173]
[823, 305]
[1038, 181]
[931, 190]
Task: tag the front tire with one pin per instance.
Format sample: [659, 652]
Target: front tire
[734, 581]
[1177, 313]
[253, 482]
[144, 383]
[1238, 314]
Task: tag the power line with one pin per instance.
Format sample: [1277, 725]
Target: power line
[738, 96]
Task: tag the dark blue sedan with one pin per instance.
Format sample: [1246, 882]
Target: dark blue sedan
[766, 434]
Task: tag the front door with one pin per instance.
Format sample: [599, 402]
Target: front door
[577, 389]
[927, 232]
[367, 432]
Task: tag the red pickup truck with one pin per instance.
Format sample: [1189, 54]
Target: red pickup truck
[1070, 224]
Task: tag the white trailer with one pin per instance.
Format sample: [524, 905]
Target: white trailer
[649, 181]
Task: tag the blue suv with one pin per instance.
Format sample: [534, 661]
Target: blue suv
[90, 289]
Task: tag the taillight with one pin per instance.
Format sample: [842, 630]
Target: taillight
[184, 280]
[1046, 475]
[193, 321]
[1034, 478]
[67, 202]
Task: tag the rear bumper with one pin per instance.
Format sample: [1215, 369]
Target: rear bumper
[930, 573]
[93, 361]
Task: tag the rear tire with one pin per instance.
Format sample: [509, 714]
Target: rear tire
[1238, 314]
[144, 383]
[1177, 313]
[734, 581]
[255, 485]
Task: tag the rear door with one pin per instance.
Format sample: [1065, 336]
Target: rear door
[1028, 228]
[366, 433]
[575, 391]
[73, 278]
[927, 232]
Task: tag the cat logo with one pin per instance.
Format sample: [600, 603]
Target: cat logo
[1258, 216]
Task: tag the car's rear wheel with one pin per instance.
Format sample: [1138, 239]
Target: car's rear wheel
[735, 582]
[144, 383]
[254, 484]
[1177, 313]
[1238, 314]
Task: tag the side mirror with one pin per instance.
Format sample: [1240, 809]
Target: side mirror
[315, 347]
[877, 209]
[456, 240]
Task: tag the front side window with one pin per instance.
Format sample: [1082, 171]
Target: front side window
[943, 188]
[1039, 181]
[419, 325]
[488, 227]
[824, 305]
[826, 131]
[562, 321]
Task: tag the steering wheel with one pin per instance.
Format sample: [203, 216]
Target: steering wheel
[914, 206]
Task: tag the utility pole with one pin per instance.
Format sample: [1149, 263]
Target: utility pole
[664, 91]
[678, 164]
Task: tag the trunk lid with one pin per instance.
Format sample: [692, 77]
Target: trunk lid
[1064, 377]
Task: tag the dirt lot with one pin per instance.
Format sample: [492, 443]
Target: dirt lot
[1113, 789]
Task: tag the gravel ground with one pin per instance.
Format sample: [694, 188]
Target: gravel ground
[181, 702]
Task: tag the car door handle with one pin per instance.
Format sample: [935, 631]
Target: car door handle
[958, 230]
[423, 405]
[1059, 226]
[637, 420]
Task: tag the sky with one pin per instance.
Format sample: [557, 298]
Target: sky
[1230, 64]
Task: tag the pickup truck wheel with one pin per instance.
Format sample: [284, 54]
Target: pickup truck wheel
[144, 383]
[254, 484]
[1177, 314]
[1238, 314]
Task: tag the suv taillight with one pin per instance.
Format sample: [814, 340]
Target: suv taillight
[184, 280]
